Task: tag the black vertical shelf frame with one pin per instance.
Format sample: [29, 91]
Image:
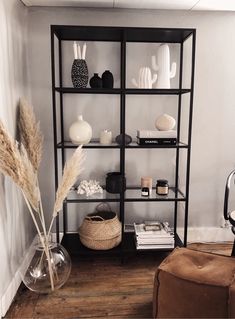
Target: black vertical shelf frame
[123, 35]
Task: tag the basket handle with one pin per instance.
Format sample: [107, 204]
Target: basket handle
[103, 207]
[91, 218]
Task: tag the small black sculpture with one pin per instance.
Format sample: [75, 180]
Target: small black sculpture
[127, 138]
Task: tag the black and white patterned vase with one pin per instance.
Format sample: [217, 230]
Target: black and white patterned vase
[79, 73]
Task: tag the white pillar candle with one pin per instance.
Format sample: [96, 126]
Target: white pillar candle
[105, 137]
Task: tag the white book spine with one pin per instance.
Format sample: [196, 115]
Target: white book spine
[154, 246]
[153, 237]
[156, 134]
[149, 241]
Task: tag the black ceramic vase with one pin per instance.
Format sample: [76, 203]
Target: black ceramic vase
[79, 73]
[107, 79]
[96, 81]
[127, 139]
[115, 182]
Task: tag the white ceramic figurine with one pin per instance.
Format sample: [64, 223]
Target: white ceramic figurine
[162, 66]
[145, 80]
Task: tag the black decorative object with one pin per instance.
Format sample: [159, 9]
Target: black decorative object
[115, 183]
[79, 73]
[96, 81]
[128, 139]
[107, 78]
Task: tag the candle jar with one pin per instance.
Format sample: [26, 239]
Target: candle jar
[145, 191]
[162, 187]
[147, 182]
[105, 137]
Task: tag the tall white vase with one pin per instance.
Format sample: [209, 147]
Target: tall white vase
[80, 132]
[162, 66]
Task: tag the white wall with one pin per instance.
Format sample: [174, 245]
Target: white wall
[213, 152]
[15, 225]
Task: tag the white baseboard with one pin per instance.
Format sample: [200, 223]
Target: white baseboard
[10, 293]
[208, 234]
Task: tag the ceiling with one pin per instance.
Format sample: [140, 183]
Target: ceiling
[211, 5]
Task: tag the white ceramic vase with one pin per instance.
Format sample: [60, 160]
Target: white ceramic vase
[80, 132]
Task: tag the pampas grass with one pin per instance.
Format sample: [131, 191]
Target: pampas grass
[21, 163]
[30, 134]
[15, 163]
[32, 139]
[72, 169]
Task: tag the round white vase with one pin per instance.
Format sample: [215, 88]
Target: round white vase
[165, 122]
[80, 132]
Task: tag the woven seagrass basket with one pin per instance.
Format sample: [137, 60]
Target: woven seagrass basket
[101, 230]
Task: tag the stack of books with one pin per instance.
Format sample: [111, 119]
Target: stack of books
[146, 137]
[154, 235]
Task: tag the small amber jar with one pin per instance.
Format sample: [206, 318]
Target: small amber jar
[162, 187]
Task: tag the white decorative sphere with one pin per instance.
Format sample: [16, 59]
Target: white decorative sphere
[165, 122]
[80, 132]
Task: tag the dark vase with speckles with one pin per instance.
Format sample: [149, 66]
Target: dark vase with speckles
[79, 73]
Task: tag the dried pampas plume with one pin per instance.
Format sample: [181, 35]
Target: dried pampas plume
[21, 164]
[30, 134]
[29, 180]
[72, 169]
[10, 158]
[16, 164]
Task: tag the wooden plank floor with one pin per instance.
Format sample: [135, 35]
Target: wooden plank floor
[100, 288]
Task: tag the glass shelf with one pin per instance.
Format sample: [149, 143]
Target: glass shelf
[87, 90]
[93, 144]
[132, 194]
[157, 91]
[96, 144]
[73, 197]
[72, 90]
[177, 145]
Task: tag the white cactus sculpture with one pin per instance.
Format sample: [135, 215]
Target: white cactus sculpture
[163, 67]
[145, 80]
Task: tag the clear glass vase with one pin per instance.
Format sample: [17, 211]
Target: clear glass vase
[49, 267]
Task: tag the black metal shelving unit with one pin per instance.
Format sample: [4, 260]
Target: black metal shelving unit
[123, 35]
